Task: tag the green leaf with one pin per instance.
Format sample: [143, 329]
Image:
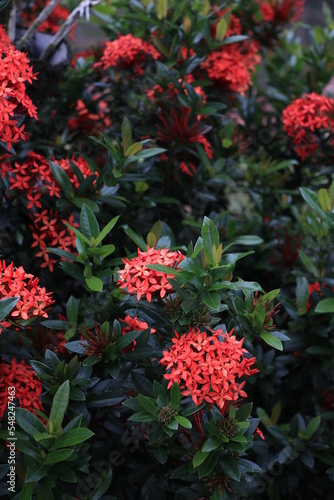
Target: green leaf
[162, 268]
[76, 231]
[230, 467]
[308, 263]
[26, 492]
[211, 444]
[312, 200]
[210, 237]
[36, 472]
[63, 180]
[126, 135]
[29, 422]
[221, 29]
[270, 296]
[141, 416]
[200, 457]
[94, 284]
[175, 396]
[134, 149]
[148, 405]
[71, 438]
[147, 153]
[7, 305]
[302, 294]
[211, 299]
[80, 202]
[258, 317]
[207, 467]
[126, 339]
[88, 223]
[325, 306]
[324, 200]
[72, 311]
[66, 474]
[243, 413]
[106, 230]
[139, 240]
[184, 422]
[271, 340]
[103, 484]
[59, 407]
[311, 427]
[248, 240]
[58, 456]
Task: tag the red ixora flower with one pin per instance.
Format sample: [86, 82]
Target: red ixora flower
[49, 230]
[282, 11]
[178, 128]
[305, 118]
[127, 52]
[130, 324]
[232, 65]
[34, 177]
[14, 102]
[208, 366]
[28, 386]
[33, 299]
[138, 278]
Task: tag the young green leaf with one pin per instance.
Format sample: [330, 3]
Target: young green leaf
[59, 407]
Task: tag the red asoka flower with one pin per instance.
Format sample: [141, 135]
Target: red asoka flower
[208, 366]
[15, 71]
[34, 177]
[127, 52]
[232, 65]
[28, 387]
[305, 118]
[85, 120]
[49, 230]
[178, 128]
[163, 95]
[33, 299]
[280, 12]
[130, 324]
[138, 278]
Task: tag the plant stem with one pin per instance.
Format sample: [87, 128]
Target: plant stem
[38, 21]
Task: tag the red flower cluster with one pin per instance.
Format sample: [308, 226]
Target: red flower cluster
[304, 118]
[28, 386]
[49, 230]
[34, 176]
[282, 11]
[127, 52]
[130, 324]
[85, 120]
[158, 92]
[52, 23]
[14, 102]
[176, 127]
[138, 278]
[208, 366]
[232, 65]
[33, 300]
